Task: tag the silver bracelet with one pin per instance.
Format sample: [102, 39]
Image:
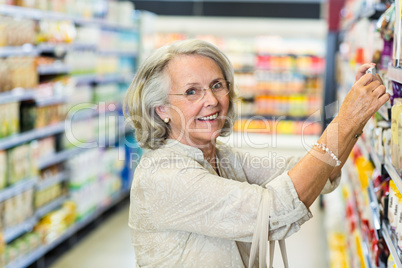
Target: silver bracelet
[325, 149]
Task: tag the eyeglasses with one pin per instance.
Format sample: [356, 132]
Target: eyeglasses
[219, 88]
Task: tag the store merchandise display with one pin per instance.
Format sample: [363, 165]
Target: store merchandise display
[279, 81]
[371, 192]
[64, 66]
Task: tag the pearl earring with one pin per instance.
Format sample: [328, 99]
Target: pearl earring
[166, 120]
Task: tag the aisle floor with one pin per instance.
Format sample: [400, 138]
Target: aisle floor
[109, 245]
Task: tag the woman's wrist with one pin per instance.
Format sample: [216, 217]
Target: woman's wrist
[347, 128]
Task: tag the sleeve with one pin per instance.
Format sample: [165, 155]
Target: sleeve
[193, 200]
[262, 170]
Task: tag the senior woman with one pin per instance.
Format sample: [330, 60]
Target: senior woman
[196, 202]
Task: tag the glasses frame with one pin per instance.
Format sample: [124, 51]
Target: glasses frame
[228, 84]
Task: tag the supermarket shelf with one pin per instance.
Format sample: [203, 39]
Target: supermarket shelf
[38, 253]
[60, 48]
[68, 153]
[372, 12]
[17, 188]
[57, 68]
[391, 246]
[374, 209]
[114, 78]
[16, 95]
[16, 139]
[20, 94]
[38, 15]
[126, 54]
[62, 176]
[65, 47]
[395, 74]
[52, 205]
[279, 117]
[393, 173]
[51, 100]
[102, 79]
[58, 157]
[19, 229]
[365, 249]
[367, 151]
[24, 50]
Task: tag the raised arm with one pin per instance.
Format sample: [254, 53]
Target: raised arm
[310, 174]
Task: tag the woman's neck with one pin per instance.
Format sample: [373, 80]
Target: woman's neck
[208, 150]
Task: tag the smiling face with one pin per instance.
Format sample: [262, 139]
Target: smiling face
[195, 123]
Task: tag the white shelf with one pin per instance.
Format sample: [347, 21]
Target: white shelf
[102, 79]
[58, 157]
[25, 261]
[63, 47]
[52, 205]
[34, 134]
[393, 173]
[126, 54]
[12, 233]
[62, 176]
[25, 50]
[391, 246]
[56, 68]
[374, 208]
[16, 95]
[395, 74]
[21, 94]
[17, 188]
[38, 15]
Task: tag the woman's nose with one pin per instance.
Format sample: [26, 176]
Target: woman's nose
[209, 98]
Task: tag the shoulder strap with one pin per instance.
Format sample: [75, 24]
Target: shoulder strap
[260, 238]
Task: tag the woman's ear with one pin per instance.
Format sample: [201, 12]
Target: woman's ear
[162, 112]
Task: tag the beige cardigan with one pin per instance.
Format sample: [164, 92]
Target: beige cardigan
[182, 214]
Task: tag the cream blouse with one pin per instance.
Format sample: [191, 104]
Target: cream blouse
[182, 214]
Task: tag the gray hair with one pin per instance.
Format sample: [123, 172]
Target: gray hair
[151, 84]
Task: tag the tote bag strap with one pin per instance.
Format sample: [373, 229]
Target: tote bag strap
[260, 238]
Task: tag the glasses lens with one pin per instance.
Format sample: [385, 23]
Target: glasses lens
[221, 88]
[195, 93]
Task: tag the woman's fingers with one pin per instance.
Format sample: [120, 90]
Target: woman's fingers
[379, 78]
[383, 99]
[363, 69]
[365, 80]
[379, 91]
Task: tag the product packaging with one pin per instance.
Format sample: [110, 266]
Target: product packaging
[396, 111]
[392, 205]
[3, 170]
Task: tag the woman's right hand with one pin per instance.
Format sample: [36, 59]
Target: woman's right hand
[366, 96]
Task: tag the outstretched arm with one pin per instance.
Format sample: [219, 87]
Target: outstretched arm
[310, 174]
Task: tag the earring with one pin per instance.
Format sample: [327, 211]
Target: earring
[166, 120]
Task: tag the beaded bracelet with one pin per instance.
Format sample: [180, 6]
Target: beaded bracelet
[325, 149]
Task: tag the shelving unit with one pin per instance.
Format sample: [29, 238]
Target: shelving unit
[40, 252]
[124, 58]
[358, 27]
[60, 177]
[14, 140]
[17, 188]
[386, 234]
[15, 231]
[52, 205]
